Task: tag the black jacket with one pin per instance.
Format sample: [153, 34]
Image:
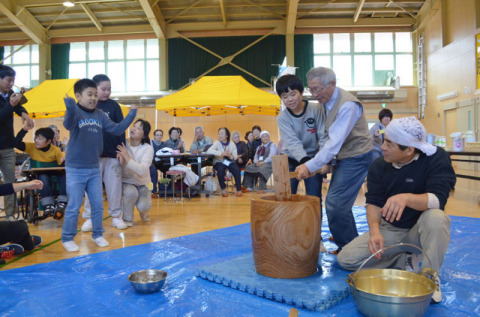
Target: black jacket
[7, 137]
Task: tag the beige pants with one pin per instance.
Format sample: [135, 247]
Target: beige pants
[431, 233]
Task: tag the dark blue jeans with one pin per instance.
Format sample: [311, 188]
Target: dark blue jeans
[47, 192]
[234, 169]
[347, 178]
[154, 177]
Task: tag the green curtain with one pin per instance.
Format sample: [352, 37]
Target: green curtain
[60, 59]
[186, 60]
[2, 51]
[303, 55]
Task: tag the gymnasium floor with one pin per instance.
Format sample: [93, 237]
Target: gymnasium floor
[171, 220]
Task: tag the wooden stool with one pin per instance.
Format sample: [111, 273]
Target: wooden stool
[165, 182]
[177, 175]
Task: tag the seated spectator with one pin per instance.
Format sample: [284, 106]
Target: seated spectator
[200, 144]
[174, 141]
[14, 235]
[262, 164]
[225, 156]
[249, 138]
[136, 158]
[157, 144]
[200, 141]
[62, 145]
[44, 152]
[255, 143]
[378, 131]
[242, 149]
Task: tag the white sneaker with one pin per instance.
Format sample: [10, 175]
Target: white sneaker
[128, 223]
[101, 242]
[437, 294]
[145, 216]
[412, 262]
[87, 226]
[10, 218]
[70, 246]
[119, 224]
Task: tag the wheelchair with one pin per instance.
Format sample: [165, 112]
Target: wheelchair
[29, 201]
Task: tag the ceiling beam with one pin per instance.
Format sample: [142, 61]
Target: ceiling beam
[263, 8]
[183, 11]
[358, 10]
[24, 21]
[346, 22]
[428, 10]
[403, 9]
[276, 27]
[107, 30]
[291, 16]
[92, 16]
[222, 9]
[321, 5]
[49, 3]
[155, 17]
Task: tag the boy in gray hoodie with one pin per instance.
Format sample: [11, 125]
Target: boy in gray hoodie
[302, 126]
[86, 124]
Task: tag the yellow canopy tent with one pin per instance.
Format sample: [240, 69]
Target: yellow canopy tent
[46, 100]
[216, 95]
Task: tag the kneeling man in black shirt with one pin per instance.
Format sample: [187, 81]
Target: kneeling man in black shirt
[407, 191]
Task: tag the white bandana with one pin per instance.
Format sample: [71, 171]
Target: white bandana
[409, 131]
[264, 132]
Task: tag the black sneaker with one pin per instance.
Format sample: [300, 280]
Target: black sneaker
[37, 240]
[60, 210]
[48, 210]
[9, 250]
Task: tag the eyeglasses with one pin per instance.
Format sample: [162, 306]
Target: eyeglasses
[317, 90]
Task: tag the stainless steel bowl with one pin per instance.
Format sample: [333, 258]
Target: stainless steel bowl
[392, 293]
[148, 281]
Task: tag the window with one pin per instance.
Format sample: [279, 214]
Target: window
[25, 62]
[132, 65]
[365, 59]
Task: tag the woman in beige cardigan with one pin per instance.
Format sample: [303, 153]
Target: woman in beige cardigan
[225, 156]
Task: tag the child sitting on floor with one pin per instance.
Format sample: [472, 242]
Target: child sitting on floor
[44, 151]
[86, 124]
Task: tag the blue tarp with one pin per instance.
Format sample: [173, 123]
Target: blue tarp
[97, 284]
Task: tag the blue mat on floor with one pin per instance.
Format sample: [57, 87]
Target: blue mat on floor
[96, 284]
[317, 292]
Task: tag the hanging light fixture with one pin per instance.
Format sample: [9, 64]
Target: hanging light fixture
[68, 3]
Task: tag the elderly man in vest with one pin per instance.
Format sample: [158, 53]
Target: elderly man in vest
[349, 142]
[408, 189]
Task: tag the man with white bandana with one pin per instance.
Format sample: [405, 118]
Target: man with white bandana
[407, 192]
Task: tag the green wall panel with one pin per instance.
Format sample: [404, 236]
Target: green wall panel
[186, 60]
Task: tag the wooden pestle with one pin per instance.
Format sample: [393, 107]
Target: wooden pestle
[281, 177]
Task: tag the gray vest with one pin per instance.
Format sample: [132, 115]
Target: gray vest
[359, 141]
[267, 151]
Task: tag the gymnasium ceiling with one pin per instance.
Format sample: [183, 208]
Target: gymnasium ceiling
[49, 21]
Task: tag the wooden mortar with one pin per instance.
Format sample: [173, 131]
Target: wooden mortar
[285, 235]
